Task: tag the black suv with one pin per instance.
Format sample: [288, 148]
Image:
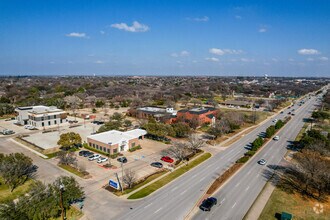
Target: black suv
[83, 152]
[208, 203]
[122, 159]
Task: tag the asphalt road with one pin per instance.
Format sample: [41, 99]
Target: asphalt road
[177, 199]
[238, 194]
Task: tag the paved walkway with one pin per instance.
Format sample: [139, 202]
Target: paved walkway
[260, 202]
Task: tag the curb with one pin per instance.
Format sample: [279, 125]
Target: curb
[26, 147]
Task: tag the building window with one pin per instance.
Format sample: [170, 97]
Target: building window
[55, 122]
[97, 146]
[115, 151]
[61, 121]
[108, 150]
[42, 124]
[48, 122]
[104, 149]
[48, 117]
[90, 144]
[42, 118]
[93, 145]
[54, 116]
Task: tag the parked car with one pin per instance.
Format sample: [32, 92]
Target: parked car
[79, 145]
[208, 203]
[102, 159]
[122, 159]
[157, 164]
[88, 154]
[262, 162]
[167, 159]
[282, 112]
[275, 120]
[7, 132]
[276, 138]
[94, 157]
[83, 152]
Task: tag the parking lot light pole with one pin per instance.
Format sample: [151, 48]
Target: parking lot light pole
[61, 201]
[122, 176]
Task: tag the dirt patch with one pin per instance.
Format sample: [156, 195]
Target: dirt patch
[223, 178]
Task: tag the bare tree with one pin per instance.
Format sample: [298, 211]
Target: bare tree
[73, 102]
[67, 158]
[195, 143]
[179, 151]
[129, 178]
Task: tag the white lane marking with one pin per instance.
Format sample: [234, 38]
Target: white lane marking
[249, 172]
[233, 205]
[183, 192]
[222, 200]
[157, 210]
[202, 179]
[237, 185]
[209, 166]
[194, 175]
[174, 189]
[247, 188]
[148, 205]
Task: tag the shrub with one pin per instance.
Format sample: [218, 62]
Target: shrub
[250, 153]
[135, 148]
[270, 131]
[243, 159]
[279, 124]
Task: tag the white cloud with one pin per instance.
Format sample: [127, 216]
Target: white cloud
[76, 34]
[99, 62]
[324, 58]
[51, 62]
[308, 52]
[262, 30]
[221, 52]
[274, 59]
[136, 27]
[70, 62]
[183, 53]
[247, 60]
[238, 17]
[102, 32]
[213, 59]
[199, 19]
[310, 59]
[291, 60]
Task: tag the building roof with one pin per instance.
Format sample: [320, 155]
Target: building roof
[40, 109]
[117, 137]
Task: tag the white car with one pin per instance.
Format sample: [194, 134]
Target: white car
[102, 159]
[276, 138]
[94, 157]
[262, 162]
[27, 126]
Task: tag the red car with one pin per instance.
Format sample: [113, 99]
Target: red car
[167, 159]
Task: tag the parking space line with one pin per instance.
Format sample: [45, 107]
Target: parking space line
[233, 205]
[157, 210]
[148, 205]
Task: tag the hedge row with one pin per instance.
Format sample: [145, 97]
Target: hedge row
[135, 148]
[112, 156]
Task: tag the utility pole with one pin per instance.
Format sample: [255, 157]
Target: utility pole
[122, 176]
[61, 201]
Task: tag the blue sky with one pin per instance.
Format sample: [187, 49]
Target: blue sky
[169, 37]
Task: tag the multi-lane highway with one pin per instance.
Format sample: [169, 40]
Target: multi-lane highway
[176, 199]
[239, 193]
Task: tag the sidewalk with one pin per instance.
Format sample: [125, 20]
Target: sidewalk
[260, 202]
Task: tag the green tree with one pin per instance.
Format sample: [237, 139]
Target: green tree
[16, 169]
[270, 131]
[279, 124]
[181, 129]
[69, 139]
[108, 126]
[99, 103]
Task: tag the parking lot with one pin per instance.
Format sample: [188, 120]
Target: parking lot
[138, 161]
[49, 140]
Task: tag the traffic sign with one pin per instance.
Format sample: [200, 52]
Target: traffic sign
[113, 184]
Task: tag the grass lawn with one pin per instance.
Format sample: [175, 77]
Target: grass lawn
[5, 193]
[301, 132]
[72, 170]
[170, 177]
[139, 185]
[71, 214]
[301, 208]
